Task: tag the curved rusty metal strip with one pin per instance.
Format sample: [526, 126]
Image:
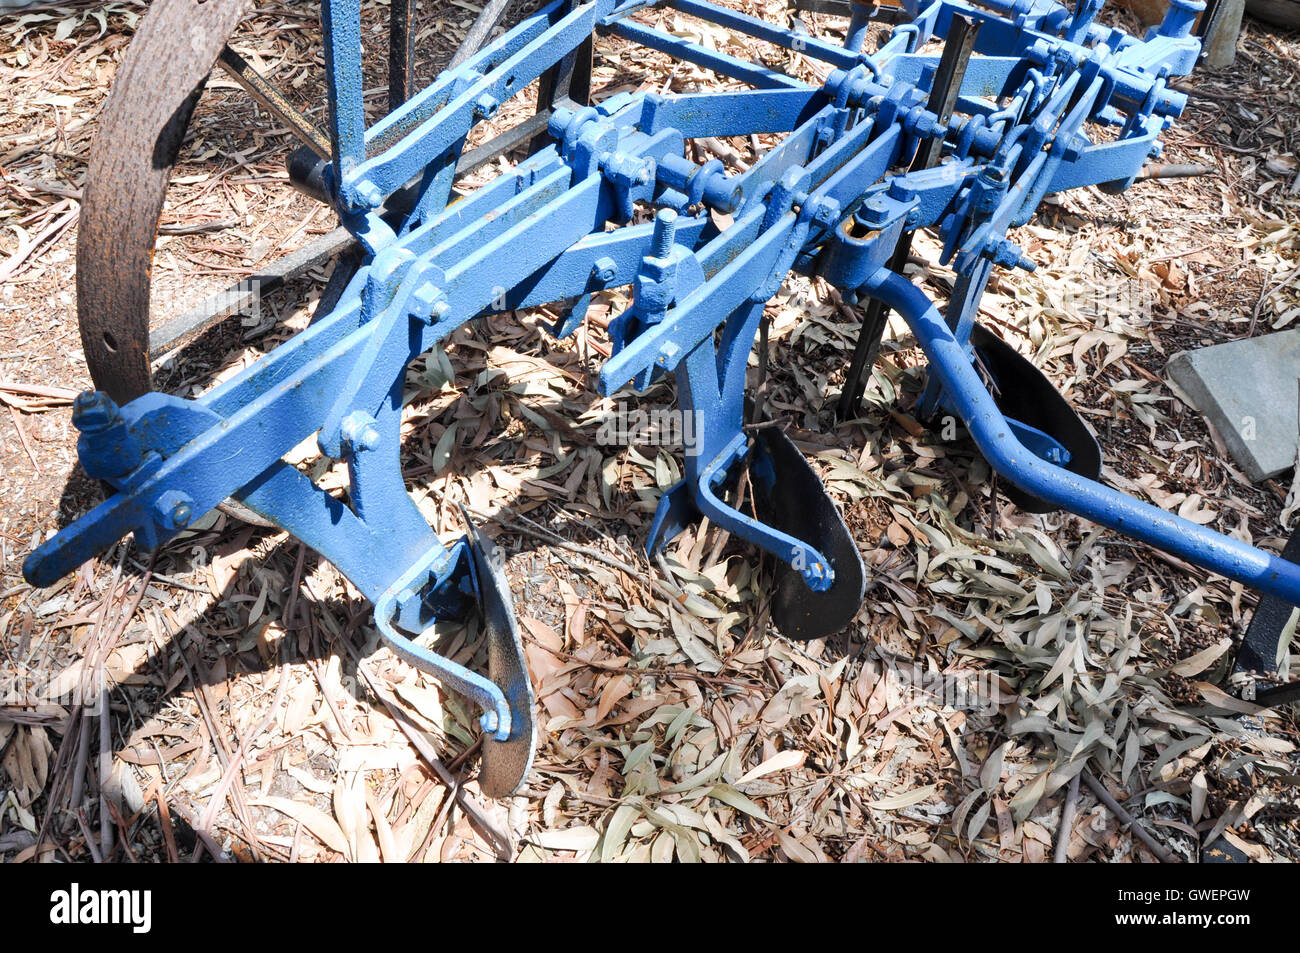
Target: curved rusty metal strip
[140, 133]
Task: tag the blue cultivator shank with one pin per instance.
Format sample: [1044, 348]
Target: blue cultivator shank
[865, 159]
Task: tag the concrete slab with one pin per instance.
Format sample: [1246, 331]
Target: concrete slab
[1249, 391]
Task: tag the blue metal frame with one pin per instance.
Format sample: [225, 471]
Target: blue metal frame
[828, 200]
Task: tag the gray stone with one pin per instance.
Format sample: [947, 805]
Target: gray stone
[1248, 391]
[1221, 45]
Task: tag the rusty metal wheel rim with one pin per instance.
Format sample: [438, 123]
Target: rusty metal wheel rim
[131, 160]
[134, 152]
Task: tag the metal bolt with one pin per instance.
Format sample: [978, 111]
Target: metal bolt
[107, 447]
[369, 195]
[604, 270]
[818, 576]
[899, 192]
[358, 431]
[558, 124]
[488, 721]
[921, 122]
[428, 303]
[94, 412]
[423, 297]
[174, 509]
[875, 211]
[665, 229]
[485, 107]
[826, 211]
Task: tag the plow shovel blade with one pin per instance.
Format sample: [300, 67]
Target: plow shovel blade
[789, 496]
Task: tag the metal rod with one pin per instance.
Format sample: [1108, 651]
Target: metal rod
[478, 33]
[870, 335]
[270, 97]
[401, 51]
[969, 400]
[945, 90]
[860, 17]
[1174, 171]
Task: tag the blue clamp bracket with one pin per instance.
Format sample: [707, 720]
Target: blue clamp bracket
[438, 563]
[811, 564]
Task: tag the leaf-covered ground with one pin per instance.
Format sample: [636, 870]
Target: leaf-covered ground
[999, 656]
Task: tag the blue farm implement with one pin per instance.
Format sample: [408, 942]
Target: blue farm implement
[963, 118]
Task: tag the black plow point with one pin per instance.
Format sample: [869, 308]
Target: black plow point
[789, 496]
[1025, 394]
[1263, 641]
[505, 764]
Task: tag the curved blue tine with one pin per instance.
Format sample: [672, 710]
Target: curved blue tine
[811, 564]
[480, 690]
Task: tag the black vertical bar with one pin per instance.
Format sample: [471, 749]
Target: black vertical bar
[1208, 16]
[545, 103]
[579, 86]
[1206, 26]
[945, 90]
[1259, 647]
[270, 97]
[401, 51]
